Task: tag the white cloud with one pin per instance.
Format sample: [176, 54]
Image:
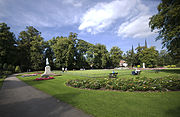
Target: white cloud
[75, 3]
[131, 14]
[136, 28]
[102, 15]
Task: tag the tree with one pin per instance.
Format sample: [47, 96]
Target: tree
[7, 45]
[167, 22]
[164, 58]
[31, 49]
[148, 56]
[49, 54]
[130, 57]
[115, 56]
[81, 48]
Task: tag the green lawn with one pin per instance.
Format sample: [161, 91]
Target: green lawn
[112, 103]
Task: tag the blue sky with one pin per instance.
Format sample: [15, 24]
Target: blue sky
[121, 23]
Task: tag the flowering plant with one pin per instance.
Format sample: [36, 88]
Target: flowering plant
[132, 84]
[41, 78]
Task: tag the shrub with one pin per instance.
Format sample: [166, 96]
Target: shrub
[138, 66]
[7, 72]
[17, 69]
[150, 66]
[178, 64]
[173, 66]
[10, 68]
[136, 84]
[5, 66]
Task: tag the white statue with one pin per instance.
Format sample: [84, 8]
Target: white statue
[144, 65]
[47, 62]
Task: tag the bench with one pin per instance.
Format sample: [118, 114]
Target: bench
[137, 72]
[113, 75]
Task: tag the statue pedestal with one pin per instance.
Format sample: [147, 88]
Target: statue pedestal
[47, 71]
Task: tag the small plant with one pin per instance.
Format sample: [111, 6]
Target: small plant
[17, 69]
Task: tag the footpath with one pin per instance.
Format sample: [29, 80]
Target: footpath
[17, 99]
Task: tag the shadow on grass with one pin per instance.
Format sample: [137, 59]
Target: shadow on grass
[173, 71]
[67, 97]
[175, 112]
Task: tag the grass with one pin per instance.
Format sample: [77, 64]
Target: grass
[1, 82]
[112, 103]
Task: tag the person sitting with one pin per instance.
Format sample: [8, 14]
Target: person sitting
[136, 72]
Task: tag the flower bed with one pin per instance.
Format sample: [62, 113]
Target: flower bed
[44, 78]
[38, 73]
[136, 84]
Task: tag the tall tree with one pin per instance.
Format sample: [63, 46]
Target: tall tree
[7, 45]
[115, 56]
[148, 56]
[31, 46]
[100, 56]
[167, 22]
[130, 57]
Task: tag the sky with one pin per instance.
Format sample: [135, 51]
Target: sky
[121, 23]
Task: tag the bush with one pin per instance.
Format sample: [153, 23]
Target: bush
[178, 64]
[138, 66]
[173, 66]
[136, 84]
[150, 66]
[170, 66]
[7, 72]
[5, 66]
[11, 68]
[17, 69]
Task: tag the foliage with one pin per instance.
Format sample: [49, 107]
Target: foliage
[170, 66]
[17, 69]
[115, 56]
[130, 57]
[137, 84]
[5, 66]
[164, 58]
[147, 56]
[31, 46]
[167, 22]
[7, 45]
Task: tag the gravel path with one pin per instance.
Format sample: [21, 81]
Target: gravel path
[17, 99]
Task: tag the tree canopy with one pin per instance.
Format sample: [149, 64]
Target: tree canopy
[30, 50]
[167, 23]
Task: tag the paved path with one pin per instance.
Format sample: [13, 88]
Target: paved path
[17, 99]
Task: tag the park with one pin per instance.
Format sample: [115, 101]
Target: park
[124, 60]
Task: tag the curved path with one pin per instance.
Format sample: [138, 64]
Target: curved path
[17, 99]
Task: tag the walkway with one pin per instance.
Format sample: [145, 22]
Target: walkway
[17, 99]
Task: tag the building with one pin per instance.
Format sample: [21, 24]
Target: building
[123, 63]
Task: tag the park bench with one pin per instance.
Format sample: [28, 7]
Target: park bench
[113, 75]
[137, 72]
